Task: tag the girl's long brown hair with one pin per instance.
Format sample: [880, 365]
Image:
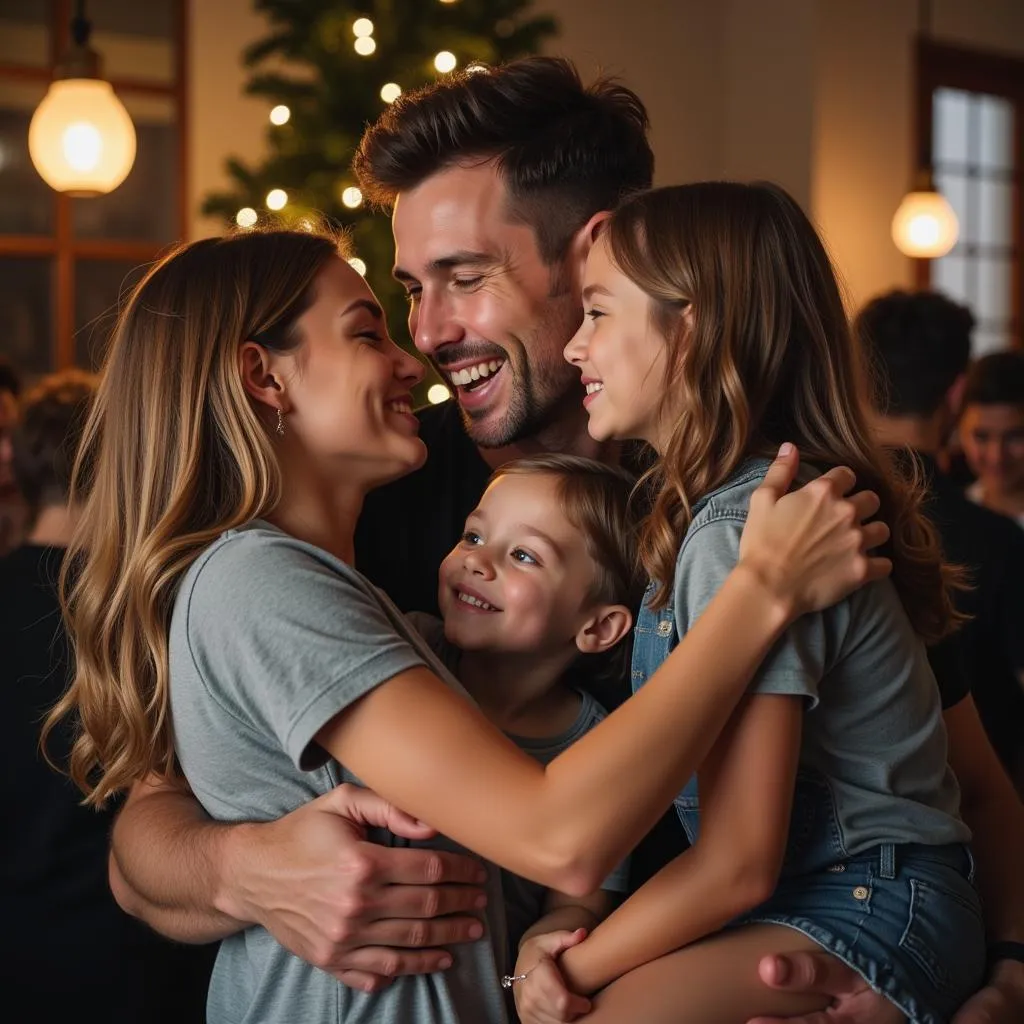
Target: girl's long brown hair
[173, 453]
[764, 354]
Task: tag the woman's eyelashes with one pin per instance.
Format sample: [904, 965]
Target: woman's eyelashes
[594, 314]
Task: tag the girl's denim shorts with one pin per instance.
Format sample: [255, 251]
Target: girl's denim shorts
[906, 918]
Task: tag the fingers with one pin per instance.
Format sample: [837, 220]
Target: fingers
[874, 535]
[419, 901]
[781, 473]
[362, 981]
[377, 965]
[404, 866]
[441, 931]
[808, 972]
[544, 998]
[553, 944]
[367, 808]
[821, 1017]
[866, 504]
[842, 478]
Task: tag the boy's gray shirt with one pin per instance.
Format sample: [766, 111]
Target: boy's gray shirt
[873, 725]
[270, 638]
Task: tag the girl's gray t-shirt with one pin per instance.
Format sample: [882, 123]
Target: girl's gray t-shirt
[270, 638]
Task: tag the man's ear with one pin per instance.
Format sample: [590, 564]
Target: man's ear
[608, 624]
[955, 396]
[261, 380]
[581, 244]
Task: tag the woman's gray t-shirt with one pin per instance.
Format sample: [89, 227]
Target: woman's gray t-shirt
[270, 638]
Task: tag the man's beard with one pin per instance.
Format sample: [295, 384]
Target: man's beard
[535, 403]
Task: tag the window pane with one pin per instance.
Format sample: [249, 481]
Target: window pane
[26, 320]
[100, 285]
[145, 206]
[985, 340]
[993, 301]
[26, 201]
[949, 125]
[995, 207]
[25, 32]
[136, 40]
[955, 188]
[995, 116]
[949, 275]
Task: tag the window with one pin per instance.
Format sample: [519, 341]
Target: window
[970, 106]
[64, 262]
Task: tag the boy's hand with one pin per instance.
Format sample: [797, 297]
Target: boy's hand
[542, 997]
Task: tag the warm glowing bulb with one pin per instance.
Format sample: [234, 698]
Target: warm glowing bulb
[447, 2]
[351, 197]
[390, 92]
[81, 139]
[280, 114]
[365, 46]
[276, 199]
[362, 27]
[246, 217]
[925, 225]
[438, 393]
[445, 61]
[357, 265]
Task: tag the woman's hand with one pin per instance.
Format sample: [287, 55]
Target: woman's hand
[810, 547]
[542, 997]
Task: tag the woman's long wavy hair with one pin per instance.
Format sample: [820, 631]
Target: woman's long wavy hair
[173, 453]
[764, 354]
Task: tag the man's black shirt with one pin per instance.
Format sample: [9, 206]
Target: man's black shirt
[991, 643]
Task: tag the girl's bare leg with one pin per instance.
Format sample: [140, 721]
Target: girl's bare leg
[710, 982]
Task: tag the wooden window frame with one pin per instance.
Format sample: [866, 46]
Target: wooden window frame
[61, 244]
[939, 65]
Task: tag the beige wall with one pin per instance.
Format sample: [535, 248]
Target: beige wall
[814, 94]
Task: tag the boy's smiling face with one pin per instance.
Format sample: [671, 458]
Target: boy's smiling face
[521, 578]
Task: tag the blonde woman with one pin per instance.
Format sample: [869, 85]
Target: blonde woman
[250, 398]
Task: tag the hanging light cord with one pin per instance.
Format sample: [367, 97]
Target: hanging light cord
[80, 27]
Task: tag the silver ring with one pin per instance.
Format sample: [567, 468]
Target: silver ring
[508, 980]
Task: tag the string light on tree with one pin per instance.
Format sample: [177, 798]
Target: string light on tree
[365, 45]
[277, 199]
[246, 217]
[445, 61]
[280, 114]
[438, 393]
[352, 197]
[362, 27]
[390, 92]
[358, 265]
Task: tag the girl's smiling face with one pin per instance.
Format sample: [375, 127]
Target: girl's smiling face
[620, 353]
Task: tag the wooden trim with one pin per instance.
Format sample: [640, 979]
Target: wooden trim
[27, 245]
[64, 320]
[184, 113]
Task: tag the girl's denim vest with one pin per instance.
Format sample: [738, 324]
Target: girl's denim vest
[815, 840]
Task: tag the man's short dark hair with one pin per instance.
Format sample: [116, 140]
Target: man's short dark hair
[47, 437]
[919, 344]
[996, 379]
[565, 150]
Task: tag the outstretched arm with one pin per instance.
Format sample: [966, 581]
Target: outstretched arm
[746, 793]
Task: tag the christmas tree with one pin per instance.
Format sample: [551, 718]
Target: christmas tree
[327, 69]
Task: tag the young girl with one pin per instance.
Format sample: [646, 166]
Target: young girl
[826, 815]
[249, 399]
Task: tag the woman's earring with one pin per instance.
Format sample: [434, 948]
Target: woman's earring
[280, 423]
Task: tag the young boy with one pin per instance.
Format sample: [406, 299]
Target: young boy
[545, 574]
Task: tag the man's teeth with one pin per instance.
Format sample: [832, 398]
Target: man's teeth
[475, 602]
[400, 406]
[594, 386]
[472, 373]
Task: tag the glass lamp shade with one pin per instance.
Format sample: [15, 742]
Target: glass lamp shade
[925, 225]
[81, 139]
